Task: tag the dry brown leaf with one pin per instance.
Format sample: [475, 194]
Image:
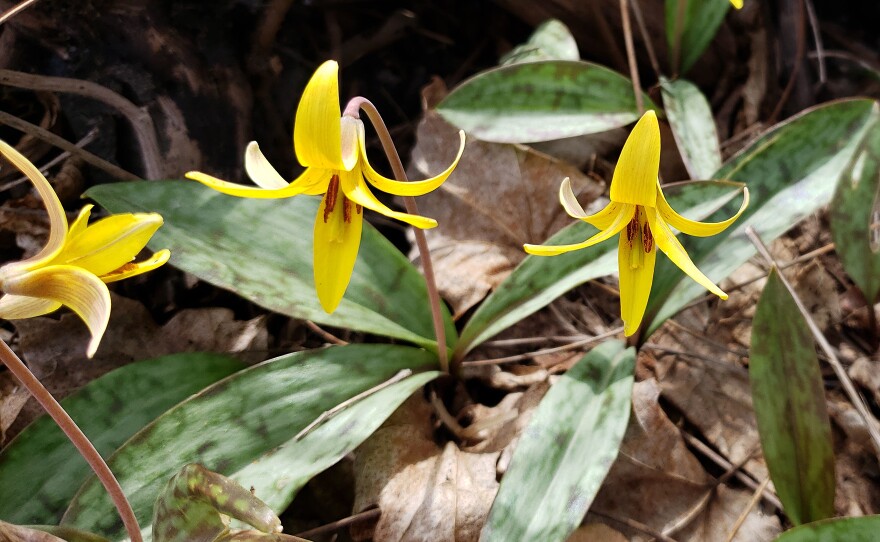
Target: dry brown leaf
[499, 197]
[16, 533]
[596, 532]
[866, 373]
[657, 481]
[425, 492]
[13, 397]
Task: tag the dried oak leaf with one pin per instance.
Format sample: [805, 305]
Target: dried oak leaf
[499, 197]
[425, 492]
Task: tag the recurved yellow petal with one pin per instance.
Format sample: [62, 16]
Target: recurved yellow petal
[412, 188]
[620, 221]
[354, 187]
[635, 281]
[57, 218]
[311, 179]
[336, 247]
[109, 243]
[602, 220]
[635, 176]
[738, 4]
[73, 287]
[317, 137]
[666, 241]
[693, 227]
[260, 170]
[18, 307]
[136, 268]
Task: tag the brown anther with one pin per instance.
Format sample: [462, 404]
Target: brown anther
[358, 208]
[346, 209]
[647, 239]
[632, 229]
[330, 196]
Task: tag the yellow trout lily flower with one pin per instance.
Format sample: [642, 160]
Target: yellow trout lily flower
[332, 148]
[75, 264]
[738, 4]
[639, 212]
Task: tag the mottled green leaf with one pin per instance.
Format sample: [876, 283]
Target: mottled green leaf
[791, 171]
[789, 402]
[541, 101]
[233, 422]
[692, 126]
[690, 26]
[566, 450]
[538, 280]
[551, 40]
[262, 250]
[189, 508]
[853, 215]
[861, 529]
[40, 470]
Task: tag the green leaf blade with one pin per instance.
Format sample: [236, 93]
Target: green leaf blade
[551, 40]
[541, 101]
[229, 424]
[789, 401]
[690, 27]
[566, 450]
[860, 529]
[851, 217]
[692, 126]
[262, 250]
[40, 471]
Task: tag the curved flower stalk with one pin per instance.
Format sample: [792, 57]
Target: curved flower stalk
[332, 148]
[75, 264]
[639, 212]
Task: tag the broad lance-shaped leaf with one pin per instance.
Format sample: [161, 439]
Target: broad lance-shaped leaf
[541, 101]
[853, 222]
[690, 27]
[789, 402]
[791, 172]
[262, 250]
[231, 423]
[538, 280]
[551, 40]
[692, 126]
[566, 450]
[40, 470]
[860, 529]
[279, 474]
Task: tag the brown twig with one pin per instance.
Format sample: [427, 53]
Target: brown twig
[89, 137]
[140, 120]
[326, 335]
[12, 12]
[745, 513]
[76, 436]
[63, 144]
[529, 355]
[646, 37]
[421, 242]
[846, 383]
[631, 55]
[633, 524]
[344, 522]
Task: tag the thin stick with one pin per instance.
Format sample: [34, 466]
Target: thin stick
[571, 346]
[637, 525]
[756, 496]
[327, 414]
[631, 55]
[12, 12]
[344, 522]
[326, 335]
[848, 387]
[412, 208]
[51, 163]
[446, 418]
[140, 120]
[76, 436]
[63, 144]
[817, 39]
[719, 460]
[643, 30]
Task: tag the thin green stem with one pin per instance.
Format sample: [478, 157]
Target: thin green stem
[412, 208]
[76, 436]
